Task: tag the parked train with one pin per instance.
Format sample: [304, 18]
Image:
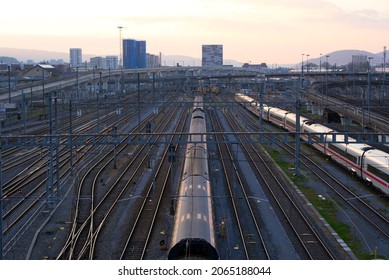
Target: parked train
[193, 234]
[363, 160]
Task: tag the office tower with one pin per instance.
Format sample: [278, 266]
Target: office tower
[75, 57]
[134, 53]
[212, 55]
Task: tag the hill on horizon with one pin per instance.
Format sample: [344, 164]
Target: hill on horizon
[340, 57]
[22, 55]
[343, 57]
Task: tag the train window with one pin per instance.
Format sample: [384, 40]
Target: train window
[337, 150]
[277, 117]
[198, 117]
[316, 138]
[351, 158]
[197, 109]
[377, 172]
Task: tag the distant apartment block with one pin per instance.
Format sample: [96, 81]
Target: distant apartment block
[56, 61]
[108, 62]
[97, 62]
[153, 61]
[212, 55]
[111, 62]
[134, 54]
[75, 57]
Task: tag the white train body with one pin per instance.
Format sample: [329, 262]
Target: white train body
[318, 134]
[363, 160]
[375, 168]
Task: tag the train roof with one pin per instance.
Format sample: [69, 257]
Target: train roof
[318, 127]
[278, 111]
[341, 138]
[378, 156]
[292, 116]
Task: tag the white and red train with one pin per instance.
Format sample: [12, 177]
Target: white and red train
[363, 160]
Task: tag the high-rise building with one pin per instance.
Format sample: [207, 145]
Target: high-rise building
[134, 53]
[212, 55]
[75, 57]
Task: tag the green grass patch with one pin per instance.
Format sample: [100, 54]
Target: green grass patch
[326, 207]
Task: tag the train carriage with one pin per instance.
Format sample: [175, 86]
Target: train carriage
[376, 169]
[290, 121]
[348, 154]
[318, 134]
[276, 116]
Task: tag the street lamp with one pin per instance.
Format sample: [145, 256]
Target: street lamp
[307, 63]
[383, 75]
[9, 84]
[302, 70]
[120, 45]
[320, 64]
[327, 56]
[369, 89]
[302, 64]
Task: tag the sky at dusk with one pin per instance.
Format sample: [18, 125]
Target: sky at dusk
[272, 31]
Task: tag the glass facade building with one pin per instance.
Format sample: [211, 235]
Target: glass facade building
[134, 54]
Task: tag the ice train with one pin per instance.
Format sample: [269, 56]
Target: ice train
[368, 163]
[193, 233]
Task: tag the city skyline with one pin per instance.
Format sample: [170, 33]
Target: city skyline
[276, 31]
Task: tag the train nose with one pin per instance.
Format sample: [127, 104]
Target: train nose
[191, 248]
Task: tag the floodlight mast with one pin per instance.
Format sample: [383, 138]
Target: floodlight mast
[120, 46]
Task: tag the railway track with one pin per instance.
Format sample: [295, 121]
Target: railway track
[337, 192]
[379, 222]
[89, 232]
[157, 195]
[343, 193]
[244, 216]
[25, 189]
[309, 242]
